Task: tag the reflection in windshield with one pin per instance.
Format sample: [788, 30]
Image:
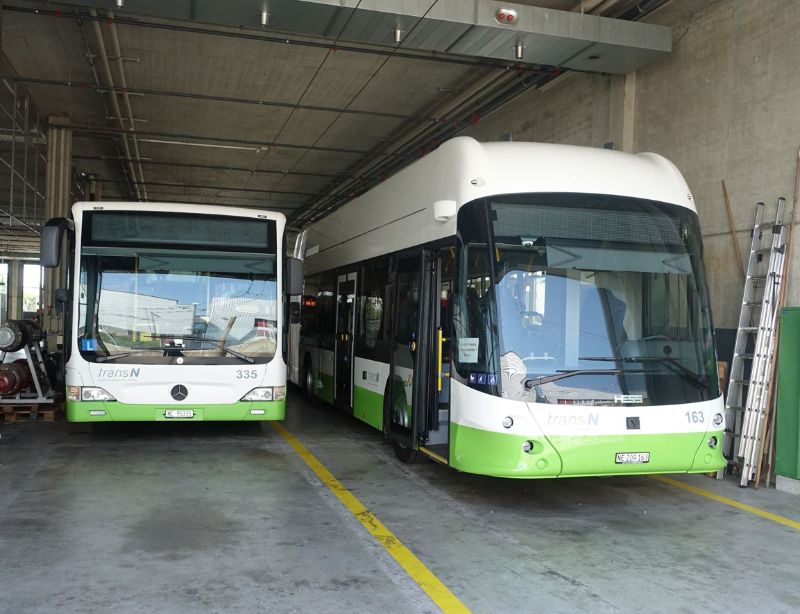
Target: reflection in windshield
[613, 296]
[176, 304]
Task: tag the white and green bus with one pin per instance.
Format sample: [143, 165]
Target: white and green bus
[520, 310]
[174, 312]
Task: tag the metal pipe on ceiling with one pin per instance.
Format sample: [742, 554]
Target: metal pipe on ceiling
[93, 67]
[200, 140]
[126, 97]
[214, 167]
[433, 56]
[101, 49]
[389, 165]
[169, 184]
[586, 6]
[453, 107]
[212, 98]
[257, 203]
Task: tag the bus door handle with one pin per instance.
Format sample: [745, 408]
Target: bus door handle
[439, 351]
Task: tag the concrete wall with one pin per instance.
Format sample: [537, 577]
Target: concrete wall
[723, 105]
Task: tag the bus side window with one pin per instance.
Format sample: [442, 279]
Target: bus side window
[326, 310]
[371, 303]
[308, 308]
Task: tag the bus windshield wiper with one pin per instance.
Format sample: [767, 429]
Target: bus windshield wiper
[218, 342]
[113, 357]
[561, 374]
[697, 379]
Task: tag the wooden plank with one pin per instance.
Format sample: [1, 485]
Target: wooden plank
[733, 228]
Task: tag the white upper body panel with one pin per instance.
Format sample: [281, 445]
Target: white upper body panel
[399, 212]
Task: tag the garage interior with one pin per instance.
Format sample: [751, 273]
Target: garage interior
[299, 106]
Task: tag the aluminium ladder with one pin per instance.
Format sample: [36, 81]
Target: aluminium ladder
[755, 342]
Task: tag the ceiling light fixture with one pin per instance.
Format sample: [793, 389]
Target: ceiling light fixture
[120, 4]
[519, 50]
[398, 35]
[264, 17]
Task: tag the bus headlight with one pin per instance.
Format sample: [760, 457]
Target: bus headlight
[279, 393]
[91, 393]
[73, 393]
[718, 419]
[259, 394]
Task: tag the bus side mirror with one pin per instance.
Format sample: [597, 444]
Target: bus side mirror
[52, 236]
[294, 276]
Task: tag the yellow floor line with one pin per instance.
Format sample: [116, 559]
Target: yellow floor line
[794, 524]
[415, 568]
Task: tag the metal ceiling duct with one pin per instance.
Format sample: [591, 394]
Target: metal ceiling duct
[567, 39]
[483, 29]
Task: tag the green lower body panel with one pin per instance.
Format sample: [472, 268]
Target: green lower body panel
[114, 411]
[324, 386]
[502, 455]
[368, 406]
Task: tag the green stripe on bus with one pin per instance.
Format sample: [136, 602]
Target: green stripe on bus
[501, 454]
[324, 387]
[368, 406]
[81, 411]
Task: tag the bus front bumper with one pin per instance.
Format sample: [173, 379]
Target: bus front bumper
[114, 411]
[517, 456]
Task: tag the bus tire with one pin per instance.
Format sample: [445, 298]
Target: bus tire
[308, 379]
[407, 454]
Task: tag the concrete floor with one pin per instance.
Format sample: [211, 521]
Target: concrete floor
[228, 518]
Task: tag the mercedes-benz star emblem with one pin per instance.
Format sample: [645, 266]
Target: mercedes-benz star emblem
[179, 392]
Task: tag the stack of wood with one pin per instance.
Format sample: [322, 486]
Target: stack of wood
[34, 412]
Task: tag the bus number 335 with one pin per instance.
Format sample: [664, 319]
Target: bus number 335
[246, 373]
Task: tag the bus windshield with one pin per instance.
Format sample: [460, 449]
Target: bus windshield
[590, 299]
[151, 305]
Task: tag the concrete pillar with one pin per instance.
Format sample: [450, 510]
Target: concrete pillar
[622, 111]
[58, 178]
[14, 289]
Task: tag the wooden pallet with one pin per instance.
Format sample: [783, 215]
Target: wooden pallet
[24, 413]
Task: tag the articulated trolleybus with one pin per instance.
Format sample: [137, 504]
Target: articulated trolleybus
[174, 312]
[520, 310]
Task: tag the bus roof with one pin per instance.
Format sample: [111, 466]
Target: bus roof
[398, 213]
[224, 210]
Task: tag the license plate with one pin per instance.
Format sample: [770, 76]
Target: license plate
[179, 413]
[632, 458]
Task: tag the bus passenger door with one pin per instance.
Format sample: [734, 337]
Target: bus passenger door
[345, 325]
[399, 404]
[413, 359]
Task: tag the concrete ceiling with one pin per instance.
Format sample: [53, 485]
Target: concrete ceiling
[300, 118]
